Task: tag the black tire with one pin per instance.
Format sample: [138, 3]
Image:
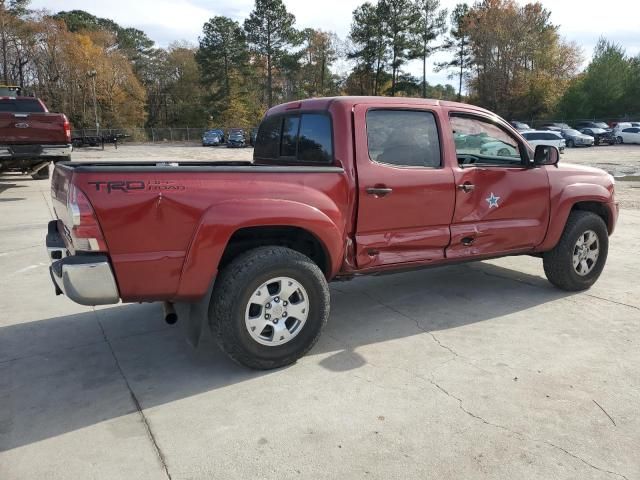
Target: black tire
[620, 140]
[232, 292]
[570, 144]
[558, 263]
[42, 174]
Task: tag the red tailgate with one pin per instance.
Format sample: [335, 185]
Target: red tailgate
[32, 128]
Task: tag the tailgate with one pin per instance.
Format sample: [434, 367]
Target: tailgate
[32, 128]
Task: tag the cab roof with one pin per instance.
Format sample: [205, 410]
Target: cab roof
[323, 103]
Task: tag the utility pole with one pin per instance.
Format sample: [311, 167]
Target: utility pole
[92, 75]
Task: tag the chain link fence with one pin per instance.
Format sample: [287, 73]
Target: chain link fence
[153, 135]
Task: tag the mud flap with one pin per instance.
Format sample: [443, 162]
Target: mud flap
[194, 318]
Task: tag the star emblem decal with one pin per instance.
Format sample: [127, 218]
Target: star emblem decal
[492, 200]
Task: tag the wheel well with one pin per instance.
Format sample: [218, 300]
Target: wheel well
[595, 207]
[294, 238]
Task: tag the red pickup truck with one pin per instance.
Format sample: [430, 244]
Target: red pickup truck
[339, 187]
[31, 137]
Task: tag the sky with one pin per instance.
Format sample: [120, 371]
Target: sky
[166, 21]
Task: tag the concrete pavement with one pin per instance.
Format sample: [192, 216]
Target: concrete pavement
[474, 371]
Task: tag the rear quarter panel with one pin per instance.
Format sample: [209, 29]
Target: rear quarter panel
[166, 238]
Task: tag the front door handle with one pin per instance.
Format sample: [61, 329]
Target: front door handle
[467, 187]
[379, 191]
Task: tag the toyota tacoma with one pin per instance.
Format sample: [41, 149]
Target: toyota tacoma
[338, 187]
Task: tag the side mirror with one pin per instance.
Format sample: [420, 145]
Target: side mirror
[546, 155]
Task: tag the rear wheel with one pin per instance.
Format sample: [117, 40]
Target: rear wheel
[578, 259]
[268, 307]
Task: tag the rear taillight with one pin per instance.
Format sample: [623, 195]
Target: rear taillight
[85, 231]
[67, 129]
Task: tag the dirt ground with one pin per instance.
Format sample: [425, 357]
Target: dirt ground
[621, 161]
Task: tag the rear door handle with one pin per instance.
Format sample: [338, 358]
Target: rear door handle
[467, 187]
[379, 191]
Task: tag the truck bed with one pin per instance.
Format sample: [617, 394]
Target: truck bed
[152, 213]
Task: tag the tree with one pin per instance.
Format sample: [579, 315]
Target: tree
[400, 16]
[458, 44]
[319, 54]
[368, 35]
[10, 24]
[521, 66]
[270, 33]
[431, 23]
[606, 78]
[223, 52]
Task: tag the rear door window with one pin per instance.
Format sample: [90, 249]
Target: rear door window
[406, 138]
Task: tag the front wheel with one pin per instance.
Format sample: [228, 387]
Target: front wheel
[620, 140]
[570, 144]
[268, 307]
[578, 259]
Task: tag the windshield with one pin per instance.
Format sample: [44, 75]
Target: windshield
[597, 130]
[571, 131]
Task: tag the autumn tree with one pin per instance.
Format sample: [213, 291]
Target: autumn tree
[320, 51]
[521, 66]
[270, 33]
[431, 23]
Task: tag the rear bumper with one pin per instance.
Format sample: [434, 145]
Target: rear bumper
[85, 279]
[38, 151]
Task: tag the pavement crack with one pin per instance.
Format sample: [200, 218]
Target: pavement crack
[605, 412]
[519, 434]
[136, 402]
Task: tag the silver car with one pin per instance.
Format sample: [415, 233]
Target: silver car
[576, 139]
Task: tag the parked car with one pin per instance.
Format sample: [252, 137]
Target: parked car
[499, 148]
[596, 124]
[520, 126]
[31, 137]
[600, 135]
[236, 138]
[574, 138]
[220, 132]
[545, 137]
[629, 135]
[554, 126]
[618, 127]
[247, 250]
[211, 138]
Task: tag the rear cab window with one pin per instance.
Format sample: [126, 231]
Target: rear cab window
[295, 139]
[19, 105]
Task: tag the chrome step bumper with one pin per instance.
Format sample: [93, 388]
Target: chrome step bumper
[85, 279]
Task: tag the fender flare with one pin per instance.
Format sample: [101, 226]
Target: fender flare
[220, 221]
[564, 202]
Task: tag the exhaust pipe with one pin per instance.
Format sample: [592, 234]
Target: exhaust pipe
[36, 168]
[170, 315]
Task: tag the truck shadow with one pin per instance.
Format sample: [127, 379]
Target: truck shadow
[59, 375]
